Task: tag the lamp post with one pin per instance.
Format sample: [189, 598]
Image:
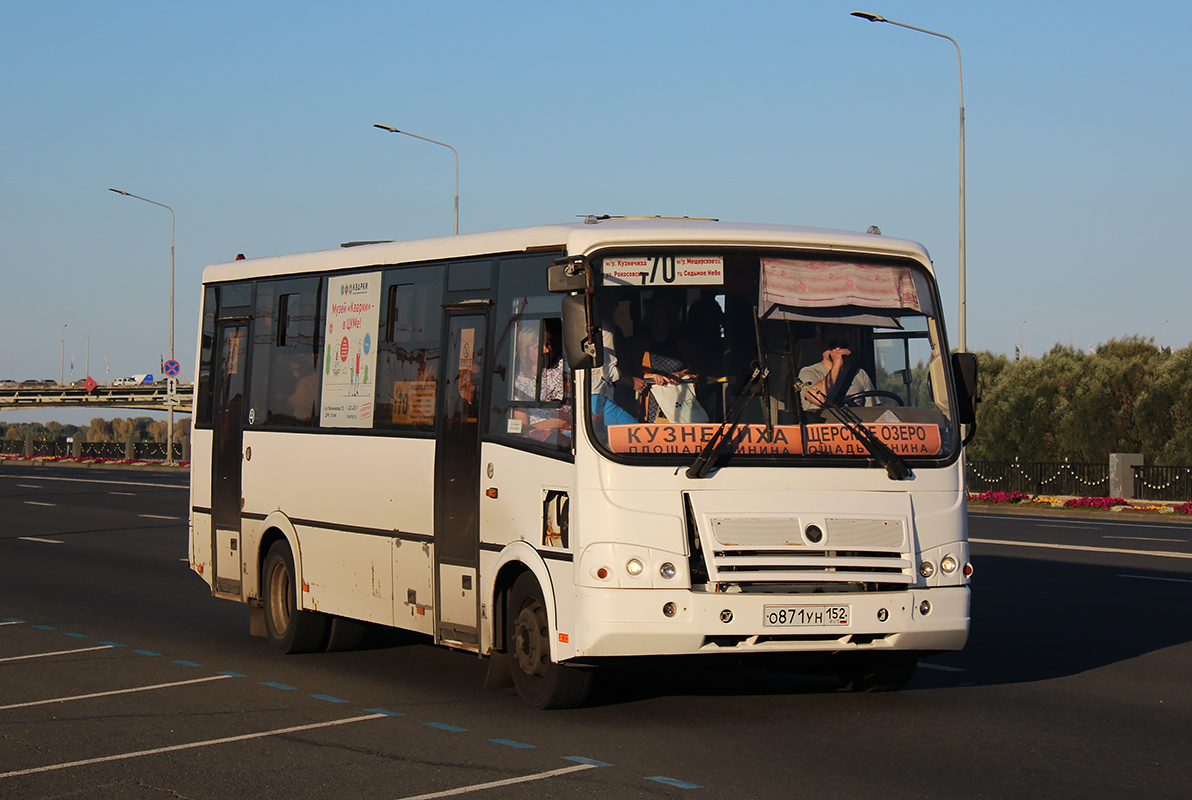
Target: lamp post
[62, 357]
[170, 424]
[442, 144]
[960, 75]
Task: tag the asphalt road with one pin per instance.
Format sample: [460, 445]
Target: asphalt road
[120, 677]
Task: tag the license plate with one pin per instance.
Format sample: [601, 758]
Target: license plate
[802, 616]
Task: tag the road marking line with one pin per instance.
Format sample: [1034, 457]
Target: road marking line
[35, 503]
[124, 494]
[1153, 578]
[157, 516]
[27, 486]
[1066, 526]
[13, 622]
[110, 483]
[443, 726]
[1160, 553]
[112, 692]
[940, 667]
[275, 685]
[58, 653]
[189, 746]
[1108, 523]
[675, 782]
[1144, 539]
[554, 773]
[39, 539]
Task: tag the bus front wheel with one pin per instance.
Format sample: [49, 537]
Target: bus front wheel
[288, 628]
[540, 682]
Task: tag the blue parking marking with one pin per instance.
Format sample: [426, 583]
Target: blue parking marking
[274, 685]
[385, 712]
[78, 635]
[582, 760]
[673, 782]
[511, 743]
[232, 674]
[44, 627]
[14, 619]
[112, 644]
[146, 653]
[328, 698]
[445, 727]
[188, 663]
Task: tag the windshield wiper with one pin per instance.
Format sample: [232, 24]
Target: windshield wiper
[896, 468]
[703, 462]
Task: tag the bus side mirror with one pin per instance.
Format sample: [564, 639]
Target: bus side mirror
[569, 276]
[582, 342]
[964, 372]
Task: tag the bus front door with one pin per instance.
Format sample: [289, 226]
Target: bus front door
[457, 483]
[226, 490]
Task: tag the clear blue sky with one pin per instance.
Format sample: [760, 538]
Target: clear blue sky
[254, 122]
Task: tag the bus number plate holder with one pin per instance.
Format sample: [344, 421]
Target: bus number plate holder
[806, 616]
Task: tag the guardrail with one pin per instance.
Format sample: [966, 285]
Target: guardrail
[150, 397]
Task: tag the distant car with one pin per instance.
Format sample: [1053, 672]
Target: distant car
[8, 383]
[30, 383]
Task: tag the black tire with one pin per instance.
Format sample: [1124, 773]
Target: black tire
[287, 628]
[540, 682]
[879, 672]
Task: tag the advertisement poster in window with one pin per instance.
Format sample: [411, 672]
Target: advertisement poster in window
[350, 358]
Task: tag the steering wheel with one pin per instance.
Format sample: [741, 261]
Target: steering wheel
[851, 400]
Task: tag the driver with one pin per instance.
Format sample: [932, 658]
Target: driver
[828, 377]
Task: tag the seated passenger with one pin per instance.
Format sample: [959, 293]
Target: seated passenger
[541, 378]
[666, 362]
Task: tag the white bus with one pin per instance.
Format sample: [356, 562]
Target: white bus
[752, 445]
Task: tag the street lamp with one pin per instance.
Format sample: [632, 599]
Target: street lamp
[170, 425]
[960, 75]
[62, 357]
[443, 144]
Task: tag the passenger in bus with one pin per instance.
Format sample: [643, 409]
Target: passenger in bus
[836, 375]
[612, 385]
[667, 361]
[541, 378]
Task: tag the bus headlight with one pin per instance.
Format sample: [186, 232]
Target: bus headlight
[949, 565]
[634, 567]
[667, 570]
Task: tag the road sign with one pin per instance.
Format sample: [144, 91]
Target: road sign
[173, 368]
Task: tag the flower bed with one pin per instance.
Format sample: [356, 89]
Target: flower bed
[1114, 504]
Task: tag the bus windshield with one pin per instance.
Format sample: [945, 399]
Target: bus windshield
[836, 343]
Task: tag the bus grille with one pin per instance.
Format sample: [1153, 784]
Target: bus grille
[775, 554]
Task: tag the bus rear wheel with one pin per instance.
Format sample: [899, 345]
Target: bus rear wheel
[540, 682]
[288, 628]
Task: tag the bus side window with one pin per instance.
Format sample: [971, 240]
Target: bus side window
[286, 344]
[531, 399]
[408, 348]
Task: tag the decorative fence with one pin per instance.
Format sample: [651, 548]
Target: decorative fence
[140, 451]
[1076, 479]
[1163, 483]
[1039, 477]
